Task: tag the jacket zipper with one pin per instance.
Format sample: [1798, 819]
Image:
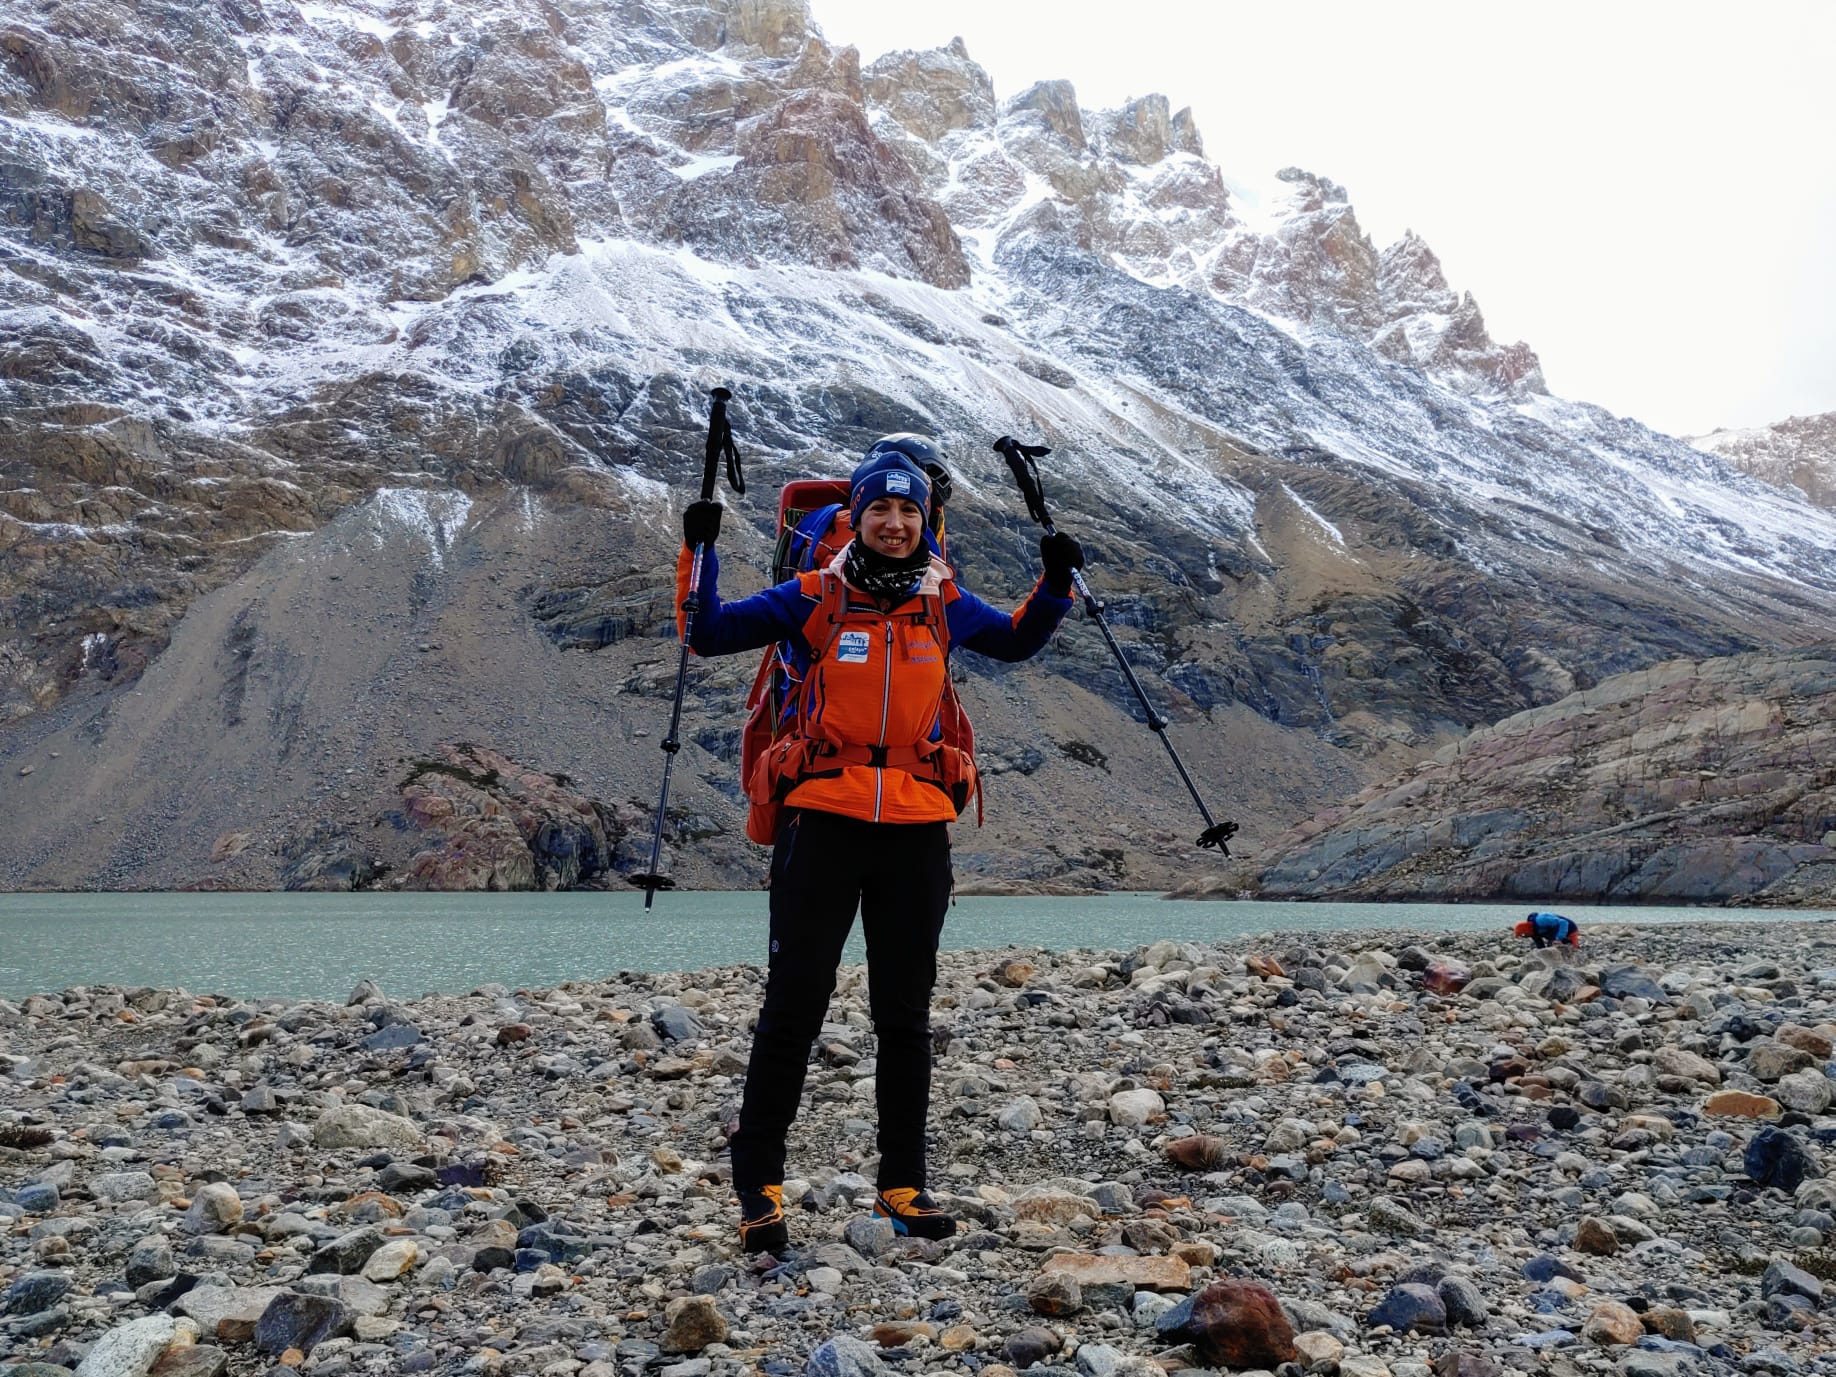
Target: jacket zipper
[879, 775]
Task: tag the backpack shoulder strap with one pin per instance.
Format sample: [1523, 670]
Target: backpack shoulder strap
[938, 606]
[824, 623]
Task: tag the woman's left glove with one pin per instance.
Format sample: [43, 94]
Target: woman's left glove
[701, 523]
[1060, 553]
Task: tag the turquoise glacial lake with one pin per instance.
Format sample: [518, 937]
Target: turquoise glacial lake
[321, 945]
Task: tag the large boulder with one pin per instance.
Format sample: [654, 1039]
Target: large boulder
[361, 1126]
[480, 820]
[1233, 1324]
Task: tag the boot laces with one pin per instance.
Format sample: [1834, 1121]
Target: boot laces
[909, 1200]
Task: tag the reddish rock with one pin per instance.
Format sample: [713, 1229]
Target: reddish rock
[1738, 1104]
[1592, 1236]
[1013, 974]
[1265, 966]
[1446, 977]
[1613, 1325]
[484, 822]
[1811, 1040]
[514, 1032]
[1055, 1293]
[369, 1204]
[898, 1333]
[1151, 1198]
[1238, 1324]
[1198, 1152]
[1670, 1323]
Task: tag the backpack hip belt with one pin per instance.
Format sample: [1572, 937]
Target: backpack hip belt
[793, 759]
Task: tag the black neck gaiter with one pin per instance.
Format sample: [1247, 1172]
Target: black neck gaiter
[881, 576]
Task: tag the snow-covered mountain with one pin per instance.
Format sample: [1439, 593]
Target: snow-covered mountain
[424, 296]
[1799, 452]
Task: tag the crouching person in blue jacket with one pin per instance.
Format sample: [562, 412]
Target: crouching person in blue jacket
[1550, 930]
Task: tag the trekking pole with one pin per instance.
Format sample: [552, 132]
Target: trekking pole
[1023, 460]
[720, 445]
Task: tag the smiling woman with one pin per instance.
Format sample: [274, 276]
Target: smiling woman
[867, 782]
[1537, 158]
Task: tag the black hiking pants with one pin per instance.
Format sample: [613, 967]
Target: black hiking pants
[823, 867]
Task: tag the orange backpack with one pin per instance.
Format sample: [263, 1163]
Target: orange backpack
[813, 527]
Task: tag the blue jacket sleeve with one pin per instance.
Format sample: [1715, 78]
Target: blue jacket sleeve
[725, 628]
[977, 626]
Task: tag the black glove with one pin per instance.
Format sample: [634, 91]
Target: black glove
[1060, 553]
[701, 523]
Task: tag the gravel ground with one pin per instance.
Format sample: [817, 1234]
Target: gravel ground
[1356, 1154]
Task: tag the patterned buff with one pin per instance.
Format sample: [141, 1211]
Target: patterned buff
[881, 576]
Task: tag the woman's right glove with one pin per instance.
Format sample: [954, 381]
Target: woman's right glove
[701, 523]
[1060, 553]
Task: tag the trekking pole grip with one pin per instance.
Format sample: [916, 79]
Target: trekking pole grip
[720, 440]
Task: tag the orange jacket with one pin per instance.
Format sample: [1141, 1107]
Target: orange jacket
[874, 679]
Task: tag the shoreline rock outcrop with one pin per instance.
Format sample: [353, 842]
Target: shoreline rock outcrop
[1690, 782]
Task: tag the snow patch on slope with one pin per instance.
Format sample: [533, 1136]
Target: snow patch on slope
[431, 516]
[1337, 536]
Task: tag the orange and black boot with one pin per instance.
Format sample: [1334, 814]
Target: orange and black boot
[762, 1228]
[913, 1212]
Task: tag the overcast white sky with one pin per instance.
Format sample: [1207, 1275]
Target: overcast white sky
[1644, 192]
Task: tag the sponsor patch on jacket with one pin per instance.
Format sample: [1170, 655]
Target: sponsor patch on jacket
[851, 648]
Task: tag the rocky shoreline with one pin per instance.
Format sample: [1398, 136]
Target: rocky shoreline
[1377, 1154]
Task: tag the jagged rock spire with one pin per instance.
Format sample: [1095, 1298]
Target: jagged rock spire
[933, 92]
[779, 28]
[1055, 103]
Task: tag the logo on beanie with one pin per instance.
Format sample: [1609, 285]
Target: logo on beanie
[898, 482]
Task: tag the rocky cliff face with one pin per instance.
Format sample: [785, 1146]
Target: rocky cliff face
[1681, 783]
[336, 330]
[1798, 453]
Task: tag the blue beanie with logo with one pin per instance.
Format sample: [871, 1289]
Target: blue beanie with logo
[887, 475]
